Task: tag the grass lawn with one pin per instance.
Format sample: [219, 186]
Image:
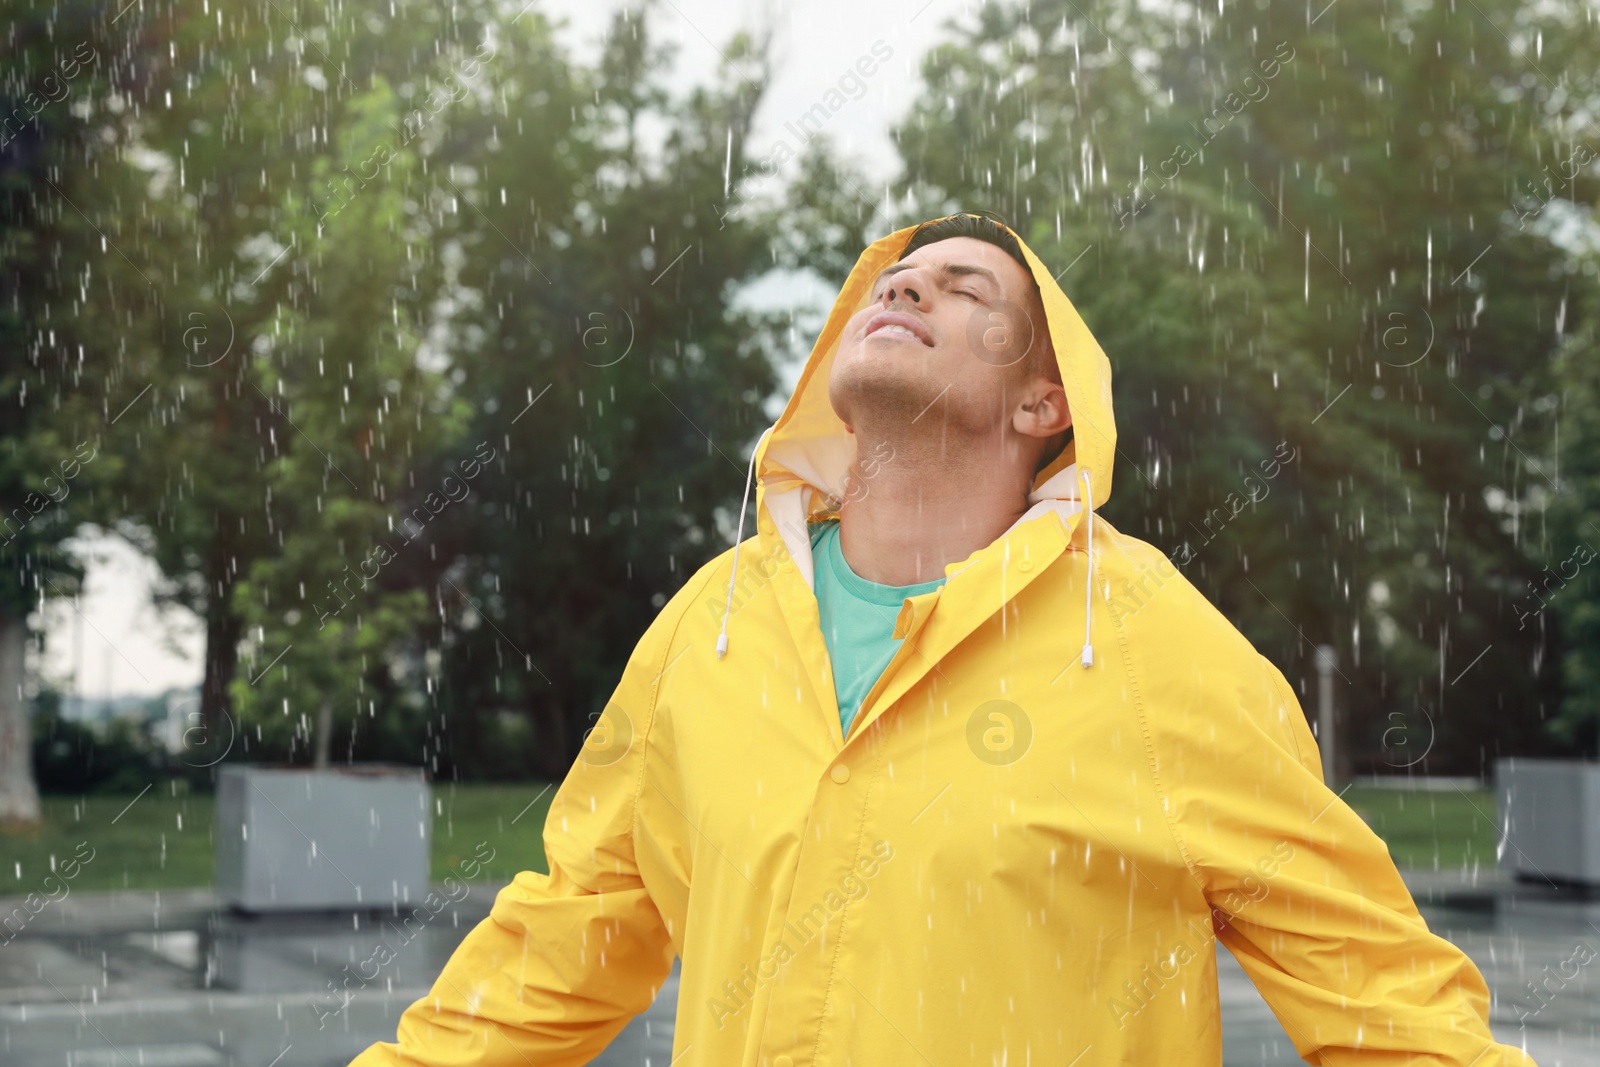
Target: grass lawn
[163, 841]
[1434, 831]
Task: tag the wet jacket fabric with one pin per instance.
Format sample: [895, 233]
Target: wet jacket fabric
[1072, 780]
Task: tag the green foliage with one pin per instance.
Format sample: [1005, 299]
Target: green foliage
[607, 368]
[363, 242]
[225, 258]
[50, 261]
[1569, 584]
[350, 401]
[70, 757]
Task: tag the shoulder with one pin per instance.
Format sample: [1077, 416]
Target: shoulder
[699, 604]
[708, 583]
[1192, 667]
[1149, 594]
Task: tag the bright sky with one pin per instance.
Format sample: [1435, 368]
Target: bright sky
[112, 642]
[816, 44]
[112, 636]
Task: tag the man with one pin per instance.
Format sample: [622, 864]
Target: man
[905, 778]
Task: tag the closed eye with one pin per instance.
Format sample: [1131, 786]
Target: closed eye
[966, 292]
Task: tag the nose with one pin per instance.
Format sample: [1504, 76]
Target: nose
[890, 294]
[906, 282]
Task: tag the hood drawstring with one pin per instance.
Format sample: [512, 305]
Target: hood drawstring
[722, 638]
[1088, 586]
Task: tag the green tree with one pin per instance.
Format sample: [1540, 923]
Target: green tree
[58, 177]
[227, 116]
[1569, 584]
[615, 376]
[354, 408]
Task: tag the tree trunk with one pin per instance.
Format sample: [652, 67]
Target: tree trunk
[19, 794]
[550, 724]
[223, 630]
[319, 759]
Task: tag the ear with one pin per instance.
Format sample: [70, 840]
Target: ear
[1042, 411]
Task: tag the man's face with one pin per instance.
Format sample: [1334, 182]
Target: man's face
[942, 342]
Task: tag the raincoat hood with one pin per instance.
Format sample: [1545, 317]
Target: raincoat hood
[1014, 856]
[809, 446]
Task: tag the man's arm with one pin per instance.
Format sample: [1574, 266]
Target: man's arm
[564, 960]
[1311, 903]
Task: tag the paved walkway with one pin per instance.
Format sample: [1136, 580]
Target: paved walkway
[169, 980]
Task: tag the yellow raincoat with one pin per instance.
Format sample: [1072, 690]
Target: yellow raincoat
[1072, 779]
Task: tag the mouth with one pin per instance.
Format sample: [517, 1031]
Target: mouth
[897, 326]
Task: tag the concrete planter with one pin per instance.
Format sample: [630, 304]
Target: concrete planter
[1550, 815]
[290, 838]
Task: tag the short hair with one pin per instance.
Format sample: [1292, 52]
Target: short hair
[969, 225]
[1041, 358]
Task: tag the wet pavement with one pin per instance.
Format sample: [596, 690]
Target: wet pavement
[171, 980]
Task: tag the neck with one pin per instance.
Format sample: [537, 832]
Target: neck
[914, 506]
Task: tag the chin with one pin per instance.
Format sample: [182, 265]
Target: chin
[878, 392]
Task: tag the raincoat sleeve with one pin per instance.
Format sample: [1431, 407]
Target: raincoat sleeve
[564, 960]
[1309, 901]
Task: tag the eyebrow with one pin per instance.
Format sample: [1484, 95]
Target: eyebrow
[948, 270]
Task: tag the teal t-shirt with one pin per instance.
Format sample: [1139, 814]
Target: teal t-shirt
[857, 619]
